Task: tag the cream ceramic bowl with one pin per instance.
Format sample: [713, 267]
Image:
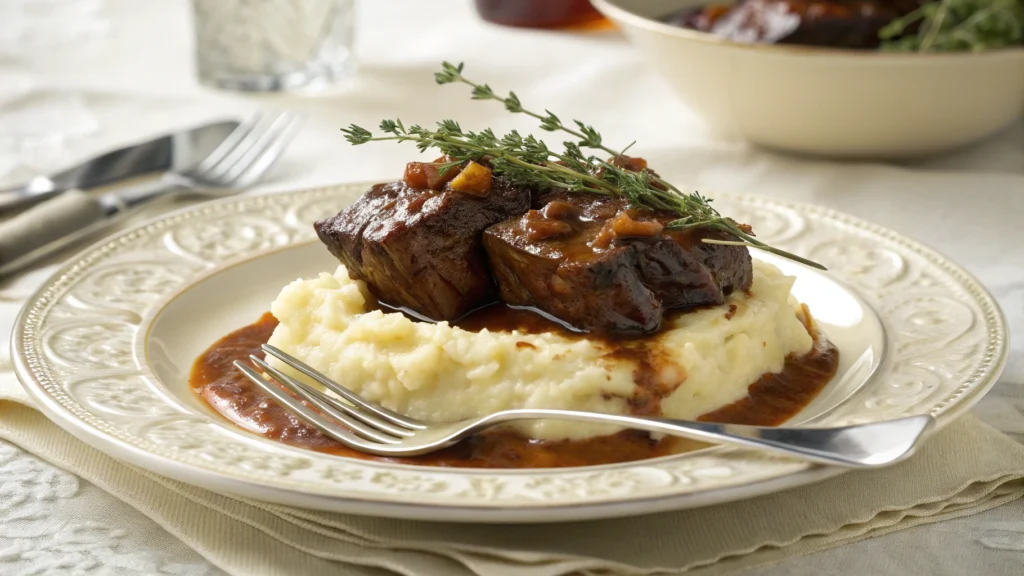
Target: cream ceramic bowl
[828, 102]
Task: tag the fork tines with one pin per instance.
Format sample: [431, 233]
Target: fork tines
[352, 421]
[248, 152]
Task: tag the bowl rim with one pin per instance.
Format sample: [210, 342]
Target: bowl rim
[614, 11]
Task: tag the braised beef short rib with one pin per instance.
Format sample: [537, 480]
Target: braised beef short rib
[832, 23]
[422, 248]
[604, 267]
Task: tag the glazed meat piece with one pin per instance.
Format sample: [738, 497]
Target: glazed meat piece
[595, 263]
[835, 23]
[420, 248]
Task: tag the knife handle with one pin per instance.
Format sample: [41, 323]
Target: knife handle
[71, 217]
[51, 226]
[24, 196]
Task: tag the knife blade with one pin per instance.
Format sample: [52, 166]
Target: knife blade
[169, 152]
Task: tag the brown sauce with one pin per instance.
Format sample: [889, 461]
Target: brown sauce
[773, 399]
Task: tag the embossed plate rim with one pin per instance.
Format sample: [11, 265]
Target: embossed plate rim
[769, 474]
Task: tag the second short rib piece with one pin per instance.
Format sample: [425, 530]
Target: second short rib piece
[421, 248]
[833, 23]
[600, 266]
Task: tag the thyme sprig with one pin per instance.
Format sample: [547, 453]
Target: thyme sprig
[588, 136]
[528, 161]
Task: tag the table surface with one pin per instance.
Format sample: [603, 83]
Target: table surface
[80, 77]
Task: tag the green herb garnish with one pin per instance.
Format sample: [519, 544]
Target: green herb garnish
[527, 161]
[957, 26]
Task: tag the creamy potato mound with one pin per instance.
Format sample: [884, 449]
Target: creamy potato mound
[438, 372]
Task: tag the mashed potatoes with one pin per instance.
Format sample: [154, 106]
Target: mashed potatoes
[436, 372]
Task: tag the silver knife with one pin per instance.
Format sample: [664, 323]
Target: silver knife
[162, 154]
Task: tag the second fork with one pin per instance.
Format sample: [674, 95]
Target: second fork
[239, 161]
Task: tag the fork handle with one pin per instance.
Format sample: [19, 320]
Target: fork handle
[857, 446]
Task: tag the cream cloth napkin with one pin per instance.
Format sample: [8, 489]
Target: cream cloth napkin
[967, 468]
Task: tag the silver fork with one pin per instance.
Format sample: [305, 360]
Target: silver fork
[238, 162]
[371, 428]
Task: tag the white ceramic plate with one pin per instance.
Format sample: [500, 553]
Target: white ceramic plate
[104, 347]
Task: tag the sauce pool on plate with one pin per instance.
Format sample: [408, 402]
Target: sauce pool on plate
[771, 400]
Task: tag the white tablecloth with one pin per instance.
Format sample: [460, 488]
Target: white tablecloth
[80, 77]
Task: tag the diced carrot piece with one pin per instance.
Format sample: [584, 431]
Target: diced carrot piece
[625, 227]
[436, 181]
[415, 175]
[428, 175]
[631, 163]
[474, 179]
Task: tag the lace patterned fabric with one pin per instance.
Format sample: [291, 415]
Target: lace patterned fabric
[53, 523]
[34, 129]
[29, 25]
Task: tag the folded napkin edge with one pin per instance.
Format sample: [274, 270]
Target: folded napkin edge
[989, 487]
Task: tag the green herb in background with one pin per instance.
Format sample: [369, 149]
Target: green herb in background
[527, 161]
[957, 26]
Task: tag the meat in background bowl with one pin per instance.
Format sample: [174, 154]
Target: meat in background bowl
[826, 101]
